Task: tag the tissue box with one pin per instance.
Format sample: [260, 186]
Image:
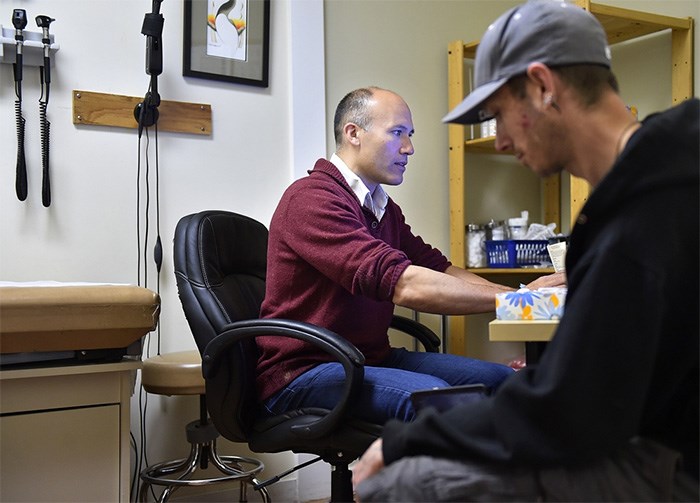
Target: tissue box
[525, 304]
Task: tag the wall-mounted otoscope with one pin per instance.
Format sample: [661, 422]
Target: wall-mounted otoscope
[19, 21]
[43, 22]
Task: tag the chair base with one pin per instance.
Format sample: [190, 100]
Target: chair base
[178, 473]
[341, 484]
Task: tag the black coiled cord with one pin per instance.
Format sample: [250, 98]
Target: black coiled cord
[21, 179]
[45, 132]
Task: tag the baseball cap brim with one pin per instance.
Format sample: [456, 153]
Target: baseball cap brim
[469, 111]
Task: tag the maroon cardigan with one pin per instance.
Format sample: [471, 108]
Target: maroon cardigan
[331, 263]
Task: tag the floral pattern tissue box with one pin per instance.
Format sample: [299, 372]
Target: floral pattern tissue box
[526, 304]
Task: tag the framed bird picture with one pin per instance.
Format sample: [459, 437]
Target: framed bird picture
[227, 40]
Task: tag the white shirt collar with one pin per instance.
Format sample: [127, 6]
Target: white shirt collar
[374, 202]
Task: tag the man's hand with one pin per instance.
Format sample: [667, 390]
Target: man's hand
[369, 464]
[551, 280]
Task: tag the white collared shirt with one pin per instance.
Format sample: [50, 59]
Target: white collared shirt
[375, 202]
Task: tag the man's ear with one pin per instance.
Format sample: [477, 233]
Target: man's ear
[542, 80]
[351, 132]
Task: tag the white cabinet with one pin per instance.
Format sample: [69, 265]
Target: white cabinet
[64, 432]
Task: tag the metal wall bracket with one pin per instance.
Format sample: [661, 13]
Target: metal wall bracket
[32, 47]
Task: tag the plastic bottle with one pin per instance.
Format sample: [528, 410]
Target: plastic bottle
[488, 128]
[517, 226]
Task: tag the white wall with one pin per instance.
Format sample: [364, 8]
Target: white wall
[89, 231]
[262, 139]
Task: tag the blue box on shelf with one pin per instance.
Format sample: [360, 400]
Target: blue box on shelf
[511, 253]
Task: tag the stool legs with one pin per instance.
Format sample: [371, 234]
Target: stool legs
[177, 473]
[174, 474]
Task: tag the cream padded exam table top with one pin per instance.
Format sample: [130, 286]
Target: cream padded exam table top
[53, 316]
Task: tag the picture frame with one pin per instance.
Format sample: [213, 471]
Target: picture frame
[227, 40]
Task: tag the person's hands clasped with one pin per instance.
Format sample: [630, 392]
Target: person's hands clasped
[370, 463]
[558, 279]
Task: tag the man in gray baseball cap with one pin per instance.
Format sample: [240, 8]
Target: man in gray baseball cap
[550, 32]
[610, 412]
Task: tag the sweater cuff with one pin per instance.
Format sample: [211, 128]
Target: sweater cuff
[393, 278]
[394, 440]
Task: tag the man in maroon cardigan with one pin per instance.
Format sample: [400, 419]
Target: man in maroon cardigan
[341, 256]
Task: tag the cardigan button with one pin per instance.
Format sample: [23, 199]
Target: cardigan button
[375, 224]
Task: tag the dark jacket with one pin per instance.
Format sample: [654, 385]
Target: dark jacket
[624, 360]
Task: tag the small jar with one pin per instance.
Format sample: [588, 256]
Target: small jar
[497, 230]
[476, 235]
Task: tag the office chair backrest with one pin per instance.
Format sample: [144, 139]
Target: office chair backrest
[220, 262]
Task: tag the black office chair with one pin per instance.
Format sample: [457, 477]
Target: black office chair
[220, 267]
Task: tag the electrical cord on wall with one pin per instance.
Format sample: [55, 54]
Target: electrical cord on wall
[141, 280]
[146, 115]
[149, 181]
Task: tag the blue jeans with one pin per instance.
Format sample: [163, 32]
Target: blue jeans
[386, 390]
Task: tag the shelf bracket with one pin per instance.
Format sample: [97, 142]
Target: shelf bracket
[100, 109]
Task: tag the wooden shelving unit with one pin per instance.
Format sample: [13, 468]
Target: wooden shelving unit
[620, 25]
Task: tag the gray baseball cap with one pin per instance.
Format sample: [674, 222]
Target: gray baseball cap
[552, 32]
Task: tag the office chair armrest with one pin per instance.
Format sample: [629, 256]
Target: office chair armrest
[427, 337]
[342, 350]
